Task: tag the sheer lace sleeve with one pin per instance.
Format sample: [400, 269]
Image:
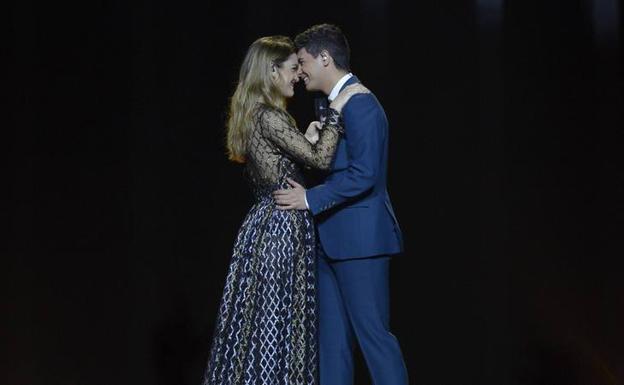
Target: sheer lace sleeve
[278, 127]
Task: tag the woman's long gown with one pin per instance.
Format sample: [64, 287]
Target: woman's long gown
[266, 330]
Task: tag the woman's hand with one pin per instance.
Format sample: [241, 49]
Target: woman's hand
[312, 133]
[346, 94]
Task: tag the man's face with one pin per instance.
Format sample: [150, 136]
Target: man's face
[311, 70]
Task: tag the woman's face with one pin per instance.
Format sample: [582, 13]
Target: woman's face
[286, 76]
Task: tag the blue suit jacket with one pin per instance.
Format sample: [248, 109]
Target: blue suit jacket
[357, 218]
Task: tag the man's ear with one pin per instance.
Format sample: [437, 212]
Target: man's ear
[326, 58]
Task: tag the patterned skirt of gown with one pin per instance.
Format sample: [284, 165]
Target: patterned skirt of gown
[266, 330]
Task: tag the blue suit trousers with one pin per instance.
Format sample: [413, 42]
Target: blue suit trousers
[354, 309]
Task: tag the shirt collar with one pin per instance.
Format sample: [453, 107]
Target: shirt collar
[334, 92]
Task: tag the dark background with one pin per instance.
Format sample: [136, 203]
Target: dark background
[121, 207]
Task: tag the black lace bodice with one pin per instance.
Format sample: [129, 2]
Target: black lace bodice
[275, 147]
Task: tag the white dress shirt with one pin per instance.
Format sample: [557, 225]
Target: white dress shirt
[336, 90]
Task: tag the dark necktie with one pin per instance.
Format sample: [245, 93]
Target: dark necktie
[320, 108]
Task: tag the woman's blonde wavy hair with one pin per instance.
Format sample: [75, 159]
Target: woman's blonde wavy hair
[255, 85]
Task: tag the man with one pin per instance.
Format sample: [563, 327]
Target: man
[357, 228]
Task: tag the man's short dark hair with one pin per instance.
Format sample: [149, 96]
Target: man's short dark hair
[326, 37]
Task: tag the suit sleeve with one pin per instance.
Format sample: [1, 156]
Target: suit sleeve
[365, 136]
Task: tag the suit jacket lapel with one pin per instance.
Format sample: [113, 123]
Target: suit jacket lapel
[352, 80]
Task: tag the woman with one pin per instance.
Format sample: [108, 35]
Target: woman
[266, 326]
